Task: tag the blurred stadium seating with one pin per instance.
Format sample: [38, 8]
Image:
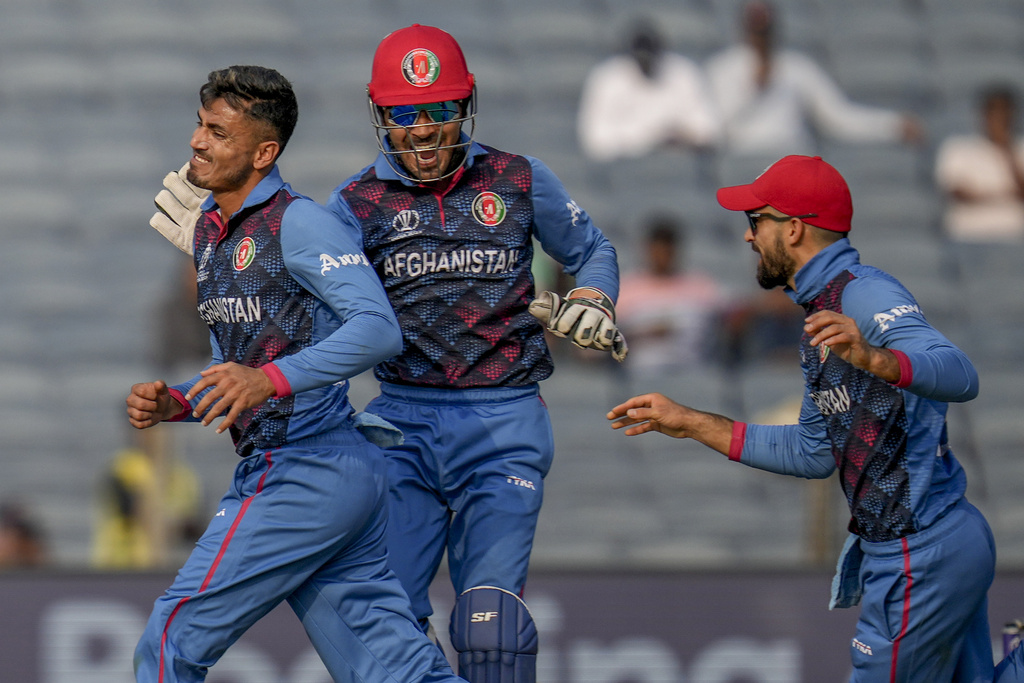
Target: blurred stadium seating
[97, 101]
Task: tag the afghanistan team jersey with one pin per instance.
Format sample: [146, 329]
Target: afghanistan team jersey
[888, 441]
[457, 265]
[284, 287]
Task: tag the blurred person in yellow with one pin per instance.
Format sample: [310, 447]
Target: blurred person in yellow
[149, 507]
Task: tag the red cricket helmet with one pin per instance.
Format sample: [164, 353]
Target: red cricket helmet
[419, 65]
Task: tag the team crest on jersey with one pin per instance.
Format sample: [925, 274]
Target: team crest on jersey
[245, 252]
[421, 67]
[406, 220]
[489, 209]
[823, 351]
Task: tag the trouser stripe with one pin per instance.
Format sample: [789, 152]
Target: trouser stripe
[216, 562]
[906, 610]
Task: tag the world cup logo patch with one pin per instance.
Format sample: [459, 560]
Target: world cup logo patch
[244, 253]
[489, 209]
[406, 220]
[421, 67]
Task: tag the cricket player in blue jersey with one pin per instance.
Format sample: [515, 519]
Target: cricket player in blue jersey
[294, 309]
[448, 225]
[879, 377]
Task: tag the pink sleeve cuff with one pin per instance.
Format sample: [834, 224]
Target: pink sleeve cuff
[739, 435]
[906, 371]
[185, 407]
[282, 387]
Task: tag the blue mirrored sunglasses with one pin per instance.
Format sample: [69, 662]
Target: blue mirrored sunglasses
[439, 112]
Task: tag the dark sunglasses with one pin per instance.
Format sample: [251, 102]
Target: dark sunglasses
[753, 218]
[408, 114]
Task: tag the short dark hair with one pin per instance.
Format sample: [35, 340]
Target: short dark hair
[664, 228]
[994, 92]
[262, 94]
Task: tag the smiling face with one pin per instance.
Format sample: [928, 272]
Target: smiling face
[426, 149]
[225, 146]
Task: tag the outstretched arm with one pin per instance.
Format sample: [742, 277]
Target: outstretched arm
[658, 413]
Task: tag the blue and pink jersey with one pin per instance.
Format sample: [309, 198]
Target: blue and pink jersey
[288, 289]
[457, 265]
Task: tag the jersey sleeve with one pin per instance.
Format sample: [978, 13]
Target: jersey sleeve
[888, 316]
[178, 391]
[567, 234]
[322, 252]
[800, 450]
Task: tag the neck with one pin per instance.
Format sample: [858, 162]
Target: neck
[230, 201]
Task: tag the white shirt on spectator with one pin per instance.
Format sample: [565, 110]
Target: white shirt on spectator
[625, 114]
[974, 164]
[799, 95]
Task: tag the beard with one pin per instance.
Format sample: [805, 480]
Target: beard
[776, 267]
[234, 180]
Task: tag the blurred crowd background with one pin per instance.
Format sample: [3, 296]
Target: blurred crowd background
[97, 103]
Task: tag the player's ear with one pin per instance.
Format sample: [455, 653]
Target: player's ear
[793, 231]
[266, 154]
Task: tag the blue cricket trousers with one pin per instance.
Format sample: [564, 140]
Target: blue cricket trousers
[924, 611]
[469, 479]
[304, 523]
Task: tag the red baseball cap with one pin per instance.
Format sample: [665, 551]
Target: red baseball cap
[419, 65]
[796, 185]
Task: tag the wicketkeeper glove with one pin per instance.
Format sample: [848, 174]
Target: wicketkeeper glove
[179, 210]
[587, 321]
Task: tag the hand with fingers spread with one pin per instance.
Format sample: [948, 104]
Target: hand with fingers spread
[233, 388]
[150, 403]
[842, 336]
[658, 413]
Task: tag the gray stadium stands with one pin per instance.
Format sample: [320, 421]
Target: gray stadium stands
[97, 100]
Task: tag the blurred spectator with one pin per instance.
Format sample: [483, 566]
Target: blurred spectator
[982, 175]
[777, 100]
[644, 101]
[763, 329]
[668, 315]
[22, 544]
[149, 507]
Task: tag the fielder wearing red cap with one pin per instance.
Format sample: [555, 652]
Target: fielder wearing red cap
[878, 380]
[450, 225]
[796, 186]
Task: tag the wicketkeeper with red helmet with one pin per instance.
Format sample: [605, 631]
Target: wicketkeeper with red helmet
[449, 225]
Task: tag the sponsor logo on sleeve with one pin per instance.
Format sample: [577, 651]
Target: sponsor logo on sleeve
[574, 211]
[328, 262]
[886, 318]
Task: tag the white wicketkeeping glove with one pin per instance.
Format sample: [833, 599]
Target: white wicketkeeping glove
[588, 322]
[179, 209]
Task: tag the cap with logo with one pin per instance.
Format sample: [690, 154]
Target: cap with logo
[796, 185]
[418, 65]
